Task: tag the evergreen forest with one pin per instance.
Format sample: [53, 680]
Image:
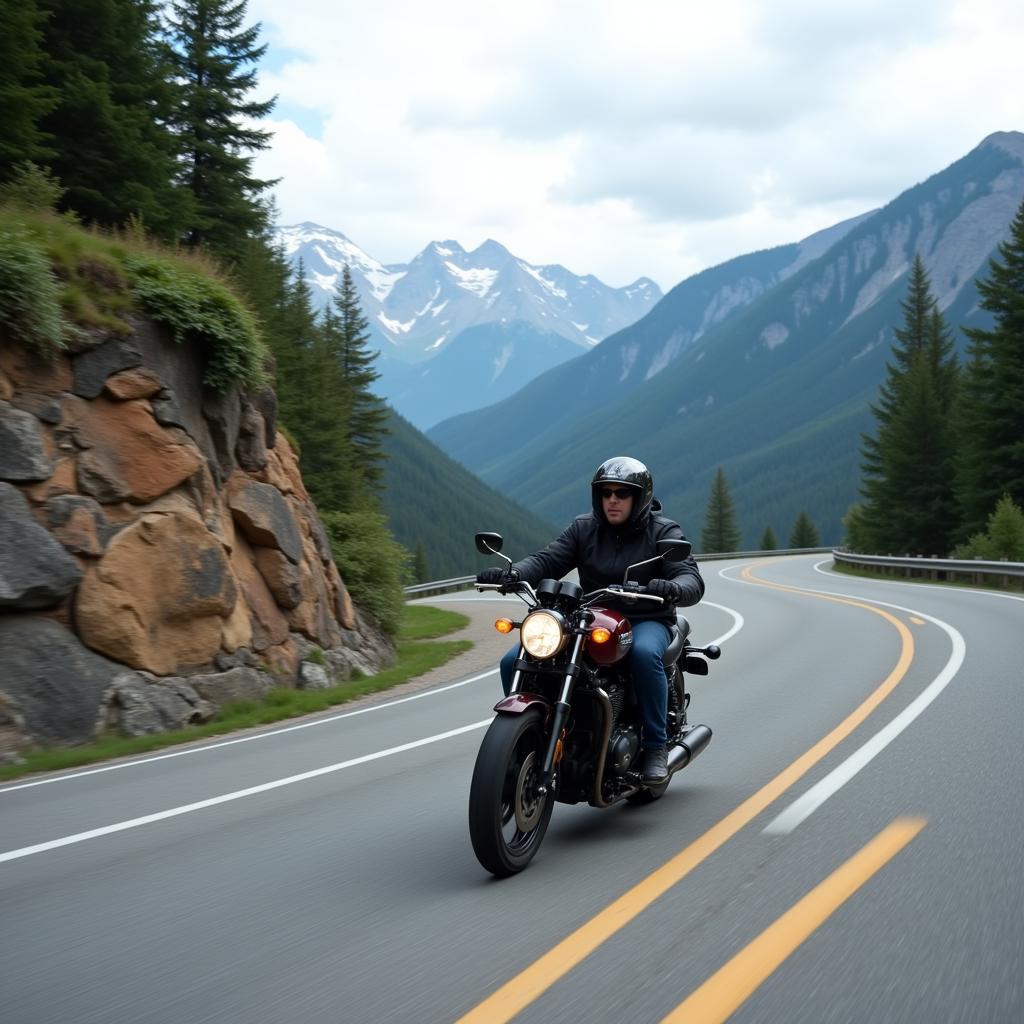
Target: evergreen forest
[134, 117]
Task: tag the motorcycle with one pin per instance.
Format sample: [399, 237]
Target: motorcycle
[569, 729]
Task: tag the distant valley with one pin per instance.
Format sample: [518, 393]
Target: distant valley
[765, 365]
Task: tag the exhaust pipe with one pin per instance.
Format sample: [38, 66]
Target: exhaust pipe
[689, 747]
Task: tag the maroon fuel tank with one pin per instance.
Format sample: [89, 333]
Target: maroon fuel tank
[618, 645]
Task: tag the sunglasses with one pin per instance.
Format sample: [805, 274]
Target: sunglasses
[618, 492]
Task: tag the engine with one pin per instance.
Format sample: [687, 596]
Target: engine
[624, 741]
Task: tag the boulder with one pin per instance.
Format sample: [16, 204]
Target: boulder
[63, 480]
[282, 577]
[313, 677]
[265, 403]
[92, 368]
[236, 684]
[129, 384]
[50, 682]
[79, 524]
[283, 660]
[28, 371]
[44, 407]
[140, 704]
[251, 448]
[223, 414]
[22, 453]
[158, 597]
[268, 625]
[129, 457]
[35, 571]
[263, 516]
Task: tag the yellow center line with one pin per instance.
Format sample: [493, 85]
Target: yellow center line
[517, 993]
[732, 984]
[916, 621]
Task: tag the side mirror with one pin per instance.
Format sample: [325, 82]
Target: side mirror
[488, 543]
[674, 550]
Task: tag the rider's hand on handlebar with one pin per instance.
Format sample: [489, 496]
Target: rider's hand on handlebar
[498, 575]
[668, 590]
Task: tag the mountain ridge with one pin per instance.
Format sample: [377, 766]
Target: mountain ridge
[788, 375]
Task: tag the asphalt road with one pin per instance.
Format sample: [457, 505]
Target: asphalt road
[850, 847]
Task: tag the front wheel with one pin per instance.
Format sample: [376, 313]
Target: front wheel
[507, 816]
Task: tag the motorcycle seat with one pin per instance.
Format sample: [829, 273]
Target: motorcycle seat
[676, 644]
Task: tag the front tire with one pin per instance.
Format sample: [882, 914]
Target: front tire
[507, 818]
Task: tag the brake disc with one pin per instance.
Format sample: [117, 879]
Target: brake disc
[527, 804]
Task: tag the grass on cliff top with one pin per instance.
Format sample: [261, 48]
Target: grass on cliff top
[419, 651]
[58, 279]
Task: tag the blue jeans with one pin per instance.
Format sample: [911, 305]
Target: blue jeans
[650, 640]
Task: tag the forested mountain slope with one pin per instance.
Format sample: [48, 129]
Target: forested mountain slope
[778, 394]
[430, 499]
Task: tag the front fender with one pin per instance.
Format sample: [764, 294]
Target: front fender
[517, 703]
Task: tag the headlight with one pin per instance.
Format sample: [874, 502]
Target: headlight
[542, 634]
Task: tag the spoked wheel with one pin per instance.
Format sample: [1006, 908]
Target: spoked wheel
[507, 816]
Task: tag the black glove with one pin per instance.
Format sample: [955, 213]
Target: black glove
[668, 590]
[496, 574]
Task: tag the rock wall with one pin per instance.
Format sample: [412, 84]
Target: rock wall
[159, 554]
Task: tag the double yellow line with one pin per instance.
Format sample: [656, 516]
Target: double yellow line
[527, 986]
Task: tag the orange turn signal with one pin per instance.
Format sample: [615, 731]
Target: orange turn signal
[600, 635]
[503, 625]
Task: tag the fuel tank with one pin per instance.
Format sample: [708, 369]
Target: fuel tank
[619, 643]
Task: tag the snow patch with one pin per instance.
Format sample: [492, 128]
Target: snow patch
[394, 326]
[553, 288]
[579, 327]
[501, 361]
[477, 281]
[629, 354]
[774, 335]
[438, 343]
[437, 309]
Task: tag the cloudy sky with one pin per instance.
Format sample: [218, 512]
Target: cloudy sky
[653, 138]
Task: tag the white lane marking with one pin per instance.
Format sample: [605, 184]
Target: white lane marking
[737, 625]
[804, 806]
[245, 739]
[121, 826]
[910, 583]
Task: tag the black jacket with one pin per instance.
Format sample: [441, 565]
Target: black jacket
[601, 553]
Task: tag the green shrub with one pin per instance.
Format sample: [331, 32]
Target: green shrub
[192, 303]
[317, 657]
[32, 187]
[29, 294]
[1003, 536]
[372, 563]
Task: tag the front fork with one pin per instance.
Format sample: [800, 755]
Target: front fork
[559, 717]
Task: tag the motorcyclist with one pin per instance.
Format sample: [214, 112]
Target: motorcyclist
[623, 529]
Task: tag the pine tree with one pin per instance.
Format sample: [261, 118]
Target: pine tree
[768, 541]
[804, 533]
[24, 98]
[908, 467]
[991, 461]
[720, 532]
[420, 566]
[111, 149]
[214, 60]
[366, 414]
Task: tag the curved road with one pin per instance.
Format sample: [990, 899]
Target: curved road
[849, 847]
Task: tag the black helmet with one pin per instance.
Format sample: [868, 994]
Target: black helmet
[623, 470]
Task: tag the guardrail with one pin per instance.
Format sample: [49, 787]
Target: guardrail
[458, 582]
[933, 568]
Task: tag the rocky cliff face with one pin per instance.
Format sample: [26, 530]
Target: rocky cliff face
[159, 554]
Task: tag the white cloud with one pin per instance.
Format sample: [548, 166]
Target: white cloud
[654, 138]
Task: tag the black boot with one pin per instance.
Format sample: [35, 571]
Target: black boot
[655, 765]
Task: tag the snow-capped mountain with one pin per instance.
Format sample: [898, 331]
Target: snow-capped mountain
[416, 309]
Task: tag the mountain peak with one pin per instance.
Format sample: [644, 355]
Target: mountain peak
[449, 247]
[1009, 142]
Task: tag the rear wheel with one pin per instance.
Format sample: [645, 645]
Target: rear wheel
[507, 816]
